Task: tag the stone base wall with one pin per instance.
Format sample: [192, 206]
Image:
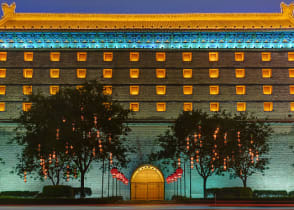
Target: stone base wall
[279, 176]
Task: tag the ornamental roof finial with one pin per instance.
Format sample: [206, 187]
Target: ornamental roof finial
[8, 9]
[287, 10]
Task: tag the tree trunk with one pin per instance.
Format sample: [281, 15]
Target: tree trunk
[82, 184]
[204, 187]
[244, 180]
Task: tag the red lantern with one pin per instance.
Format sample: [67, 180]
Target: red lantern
[114, 171]
[179, 172]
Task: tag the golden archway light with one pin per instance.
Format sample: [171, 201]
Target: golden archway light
[147, 183]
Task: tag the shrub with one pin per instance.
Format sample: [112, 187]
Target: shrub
[211, 192]
[291, 194]
[179, 197]
[270, 193]
[20, 193]
[77, 191]
[56, 191]
[234, 192]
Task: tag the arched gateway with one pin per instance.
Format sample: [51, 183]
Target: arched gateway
[147, 183]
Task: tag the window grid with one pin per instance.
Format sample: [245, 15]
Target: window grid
[2, 106]
[187, 107]
[213, 56]
[214, 73]
[187, 56]
[239, 56]
[54, 56]
[266, 73]
[2, 73]
[134, 73]
[161, 107]
[81, 73]
[28, 73]
[3, 56]
[187, 73]
[134, 56]
[28, 56]
[134, 107]
[107, 73]
[54, 73]
[2, 90]
[81, 56]
[108, 56]
[160, 56]
[54, 89]
[134, 90]
[160, 73]
[160, 90]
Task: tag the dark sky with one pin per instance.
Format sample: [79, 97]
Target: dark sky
[146, 6]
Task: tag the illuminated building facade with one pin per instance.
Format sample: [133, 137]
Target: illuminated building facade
[158, 66]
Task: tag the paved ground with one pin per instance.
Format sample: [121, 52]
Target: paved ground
[144, 207]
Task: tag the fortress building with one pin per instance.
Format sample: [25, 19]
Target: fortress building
[157, 65]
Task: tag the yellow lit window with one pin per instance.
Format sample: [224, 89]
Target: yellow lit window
[187, 73]
[134, 107]
[134, 73]
[54, 89]
[134, 90]
[239, 56]
[107, 56]
[266, 56]
[240, 89]
[267, 89]
[79, 87]
[241, 106]
[160, 56]
[107, 90]
[290, 56]
[266, 73]
[214, 90]
[134, 56]
[160, 90]
[28, 73]
[214, 106]
[213, 73]
[27, 89]
[2, 90]
[2, 106]
[26, 106]
[3, 56]
[240, 73]
[160, 73]
[213, 56]
[54, 73]
[292, 106]
[2, 73]
[188, 107]
[81, 73]
[187, 56]
[291, 73]
[54, 56]
[291, 88]
[81, 56]
[268, 106]
[107, 73]
[28, 56]
[161, 107]
[188, 90]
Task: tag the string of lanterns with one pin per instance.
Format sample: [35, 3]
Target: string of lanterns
[116, 174]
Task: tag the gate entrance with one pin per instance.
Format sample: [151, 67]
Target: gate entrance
[147, 183]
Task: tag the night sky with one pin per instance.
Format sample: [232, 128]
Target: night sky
[146, 6]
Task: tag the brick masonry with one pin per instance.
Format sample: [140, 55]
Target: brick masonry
[144, 134]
